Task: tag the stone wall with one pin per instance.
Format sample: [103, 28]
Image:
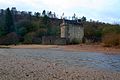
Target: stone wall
[72, 30]
[64, 30]
[53, 40]
[75, 32]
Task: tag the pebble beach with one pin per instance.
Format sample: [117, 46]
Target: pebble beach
[28, 67]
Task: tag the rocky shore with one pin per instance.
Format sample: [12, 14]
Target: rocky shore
[13, 67]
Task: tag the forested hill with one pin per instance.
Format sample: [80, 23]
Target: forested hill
[26, 27]
[18, 27]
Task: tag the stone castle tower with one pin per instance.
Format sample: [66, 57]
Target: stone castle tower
[72, 30]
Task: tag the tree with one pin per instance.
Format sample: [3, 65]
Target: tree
[10, 38]
[44, 13]
[74, 16]
[30, 16]
[1, 31]
[83, 19]
[28, 38]
[111, 29]
[9, 24]
[54, 15]
[24, 27]
[2, 25]
[50, 14]
[37, 15]
[46, 24]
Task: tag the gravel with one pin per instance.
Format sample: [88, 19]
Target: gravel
[39, 68]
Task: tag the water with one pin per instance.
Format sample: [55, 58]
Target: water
[81, 59]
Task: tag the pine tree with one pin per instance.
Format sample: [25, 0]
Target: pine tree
[44, 13]
[9, 24]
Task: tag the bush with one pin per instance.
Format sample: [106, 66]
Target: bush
[111, 39]
[75, 41]
[28, 38]
[9, 39]
[31, 38]
[37, 40]
[111, 29]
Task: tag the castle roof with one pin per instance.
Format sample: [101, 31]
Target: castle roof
[73, 22]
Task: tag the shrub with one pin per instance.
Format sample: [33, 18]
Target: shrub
[11, 38]
[28, 38]
[111, 39]
[75, 41]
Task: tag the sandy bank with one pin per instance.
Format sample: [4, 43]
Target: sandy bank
[92, 48]
[82, 47]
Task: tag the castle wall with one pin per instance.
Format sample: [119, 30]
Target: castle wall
[75, 32]
[53, 40]
[64, 31]
[72, 31]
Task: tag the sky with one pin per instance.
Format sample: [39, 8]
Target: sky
[103, 10]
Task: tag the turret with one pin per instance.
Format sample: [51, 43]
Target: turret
[64, 29]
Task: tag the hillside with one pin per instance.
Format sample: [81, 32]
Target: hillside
[21, 27]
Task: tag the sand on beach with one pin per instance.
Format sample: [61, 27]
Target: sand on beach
[92, 48]
[81, 47]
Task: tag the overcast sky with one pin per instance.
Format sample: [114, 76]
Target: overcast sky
[102, 10]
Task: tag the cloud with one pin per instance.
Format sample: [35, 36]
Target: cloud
[94, 9]
[87, 4]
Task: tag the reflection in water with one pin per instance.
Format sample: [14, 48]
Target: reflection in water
[81, 59]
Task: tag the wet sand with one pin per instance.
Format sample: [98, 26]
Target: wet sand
[13, 67]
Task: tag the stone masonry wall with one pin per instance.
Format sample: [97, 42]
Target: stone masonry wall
[75, 32]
